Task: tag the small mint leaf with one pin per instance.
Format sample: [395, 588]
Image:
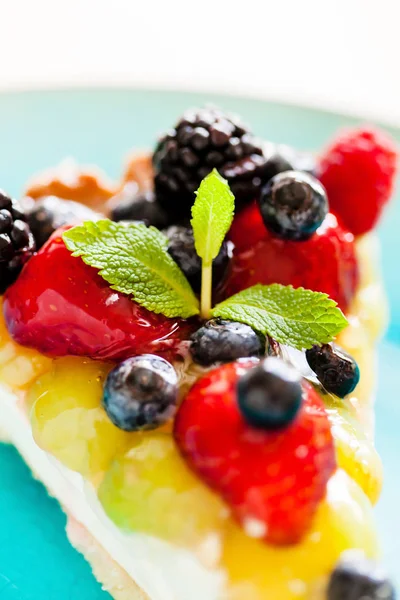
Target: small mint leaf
[212, 215]
[134, 260]
[296, 317]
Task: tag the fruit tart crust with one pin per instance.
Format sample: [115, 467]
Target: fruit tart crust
[116, 564]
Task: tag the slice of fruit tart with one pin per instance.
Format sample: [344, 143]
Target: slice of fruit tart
[187, 362]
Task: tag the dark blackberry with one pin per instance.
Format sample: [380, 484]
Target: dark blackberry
[281, 157]
[181, 248]
[219, 340]
[17, 243]
[132, 205]
[201, 140]
[49, 213]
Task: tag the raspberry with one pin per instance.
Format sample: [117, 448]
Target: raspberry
[358, 171]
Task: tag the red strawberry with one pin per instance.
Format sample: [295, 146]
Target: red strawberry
[60, 306]
[358, 171]
[324, 263]
[272, 480]
[248, 227]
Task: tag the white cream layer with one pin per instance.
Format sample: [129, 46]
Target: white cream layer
[161, 570]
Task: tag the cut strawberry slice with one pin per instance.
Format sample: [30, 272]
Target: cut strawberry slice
[60, 306]
[272, 480]
[324, 263]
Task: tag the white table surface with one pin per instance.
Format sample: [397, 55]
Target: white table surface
[343, 55]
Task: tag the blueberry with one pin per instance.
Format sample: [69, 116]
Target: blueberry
[335, 369]
[293, 205]
[269, 396]
[223, 341]
[132, 205]
[141, 393]
[357, 578]
[181, 248]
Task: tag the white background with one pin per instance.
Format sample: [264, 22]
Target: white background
[339, 54]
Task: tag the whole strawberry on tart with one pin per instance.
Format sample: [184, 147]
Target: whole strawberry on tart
[198, 354]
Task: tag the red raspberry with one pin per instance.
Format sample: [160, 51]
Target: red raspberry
[324, 263]
[272, 479]
[358, 171]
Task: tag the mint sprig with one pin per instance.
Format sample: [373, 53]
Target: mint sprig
[134, 260]
[212, 215]
[296, 317]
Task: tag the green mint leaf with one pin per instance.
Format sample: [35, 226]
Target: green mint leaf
[212, 215]
[296, 317]
[134, 260]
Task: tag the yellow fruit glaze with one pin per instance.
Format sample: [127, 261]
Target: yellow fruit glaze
[261, 572]
[19, 366]
[147, 487]
[67, 418]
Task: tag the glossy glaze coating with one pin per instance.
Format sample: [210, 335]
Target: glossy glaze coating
[60, 306]
[324, 263]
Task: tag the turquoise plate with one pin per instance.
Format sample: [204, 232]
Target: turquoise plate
[36, 131]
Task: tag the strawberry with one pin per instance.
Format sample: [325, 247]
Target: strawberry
[358, 171]
[324, 263]
[273, 480]
[61, 306]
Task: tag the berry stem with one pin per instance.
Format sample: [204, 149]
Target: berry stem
[206, 290]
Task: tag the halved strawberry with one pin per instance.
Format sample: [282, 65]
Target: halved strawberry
[324, 263]
[272, 480]
[61, 306]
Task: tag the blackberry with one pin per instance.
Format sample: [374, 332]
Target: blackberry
[17, 243]
[201, 140]
[132, 205]
[281, 157]
[141, 393]
[49, 213]
[181, 248]
[270, 395]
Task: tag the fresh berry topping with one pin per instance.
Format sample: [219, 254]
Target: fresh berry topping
[16, 241]
[224, 341]
[201, 140]
[132, 205]
[182, 249]
[270, 395]
[324, 263]
[272, 480]
[247, 228]
[49, 213]
[141, 393]
[61, 306]
[358, 578]
[358, 171]
[282, 158]
[336, 370]
[293, 205]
